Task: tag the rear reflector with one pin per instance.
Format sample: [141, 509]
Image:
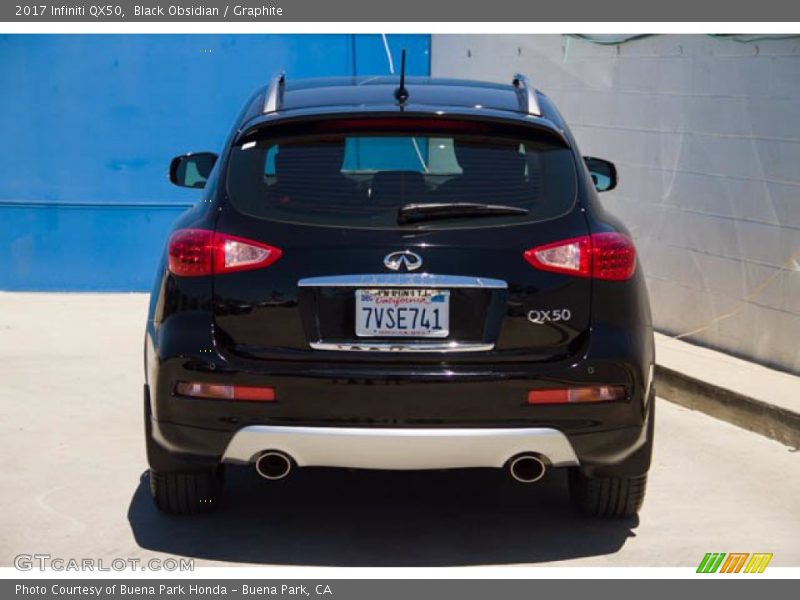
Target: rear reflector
[603, 393]
[607, 255]
[198, 252]
[225, 392]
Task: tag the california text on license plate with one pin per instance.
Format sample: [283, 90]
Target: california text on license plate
[402, 313]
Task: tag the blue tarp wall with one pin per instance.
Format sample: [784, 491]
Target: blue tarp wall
[88, 124]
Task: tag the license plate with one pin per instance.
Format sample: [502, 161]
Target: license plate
[402, 313]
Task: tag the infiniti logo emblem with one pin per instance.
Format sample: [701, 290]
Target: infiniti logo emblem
[404, 258]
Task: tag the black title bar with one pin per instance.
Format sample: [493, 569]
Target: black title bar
[265, 11]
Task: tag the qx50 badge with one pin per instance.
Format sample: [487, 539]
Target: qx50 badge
[404, 258]
[540, 317]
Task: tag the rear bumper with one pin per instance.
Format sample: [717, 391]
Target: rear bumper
[412, 448]
[405, 448]
[436, 405]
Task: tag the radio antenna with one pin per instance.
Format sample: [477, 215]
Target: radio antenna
[401, 93]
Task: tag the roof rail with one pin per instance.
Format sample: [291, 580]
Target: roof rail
[274, 97]
[527, 95]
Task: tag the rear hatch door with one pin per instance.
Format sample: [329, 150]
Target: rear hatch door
[401, 243]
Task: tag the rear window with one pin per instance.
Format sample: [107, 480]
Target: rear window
[364, 179]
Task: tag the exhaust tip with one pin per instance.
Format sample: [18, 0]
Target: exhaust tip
[527, 468]
[273, 465]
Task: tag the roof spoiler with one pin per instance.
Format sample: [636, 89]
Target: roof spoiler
[273, 100]
[527, 95]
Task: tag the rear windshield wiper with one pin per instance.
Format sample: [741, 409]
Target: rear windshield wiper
[413, 213]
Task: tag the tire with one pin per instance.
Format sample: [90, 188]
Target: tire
[186, 493]
[607, 496]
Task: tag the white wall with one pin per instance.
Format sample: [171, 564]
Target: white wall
[705, 132]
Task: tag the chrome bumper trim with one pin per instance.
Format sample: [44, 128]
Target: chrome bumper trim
[427, 280]
[367, 346]
[399, 448]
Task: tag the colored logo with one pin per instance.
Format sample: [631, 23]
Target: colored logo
[735, 562]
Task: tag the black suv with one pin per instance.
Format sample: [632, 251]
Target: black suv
[399, 274]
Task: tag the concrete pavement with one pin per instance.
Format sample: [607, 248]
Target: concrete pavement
[743, 393]
[75, 483]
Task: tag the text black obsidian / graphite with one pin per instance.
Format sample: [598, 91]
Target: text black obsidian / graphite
[201, 10]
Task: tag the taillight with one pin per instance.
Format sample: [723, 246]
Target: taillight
[607, 255]
[613, 256]
[574, 395]
[567, 256]
[196, 252]
[216, 391]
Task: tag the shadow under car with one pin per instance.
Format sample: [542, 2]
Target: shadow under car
[335, 517]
